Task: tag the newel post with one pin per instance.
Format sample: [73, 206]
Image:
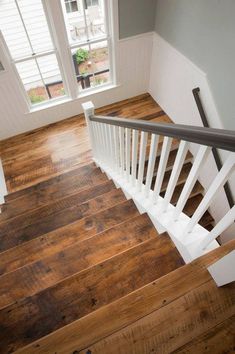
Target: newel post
[89, 110]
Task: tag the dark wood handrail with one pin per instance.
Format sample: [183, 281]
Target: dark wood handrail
[218, 138]
[227, 189]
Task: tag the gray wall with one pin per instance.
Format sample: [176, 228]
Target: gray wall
[204, 31]
[135, 17]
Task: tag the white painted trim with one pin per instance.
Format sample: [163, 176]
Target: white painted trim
[64, 100]
[3, 187]
[223, 271]
[138, 36]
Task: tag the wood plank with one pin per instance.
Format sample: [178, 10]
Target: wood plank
[45, 195]
[82, 171]
[48, 271]
[170, 327]
[64, 145]
[33, 217]
[217, 340]
[34, 317]
[192, 205]
[59, 239]
[52, 222]
[121, 313]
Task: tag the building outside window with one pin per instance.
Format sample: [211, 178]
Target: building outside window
[71, 6]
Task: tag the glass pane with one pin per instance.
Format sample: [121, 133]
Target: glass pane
[48, 66]
[24, 32]
[96, 19]
[87, 22]
[74, 6]
[100, 58]
[41, 78]
[91, 65]
[32, 81]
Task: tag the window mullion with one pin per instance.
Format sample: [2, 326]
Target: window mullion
[23, 24]
[54, 12]
[84, 14]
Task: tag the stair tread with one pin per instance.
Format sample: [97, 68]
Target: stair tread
[182, 177]
[51, 190]
[192, 205]
[50, 181]
[63, 218]
[46, 272]
[59, 239]
[170, 161]
[197, 189]
[155, 296]
[33, 216]
[86, 291]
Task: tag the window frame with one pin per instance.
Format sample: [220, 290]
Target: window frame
[108, 37]
[34, 57]
[55, 19]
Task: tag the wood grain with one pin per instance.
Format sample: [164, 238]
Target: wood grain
[63, 218]
[34, 317]
[172, 326]
[86, 331]
[59, 239]
[37, 276]
[217, 340]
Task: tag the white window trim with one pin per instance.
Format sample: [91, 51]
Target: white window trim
[54, 13]
[65, 59]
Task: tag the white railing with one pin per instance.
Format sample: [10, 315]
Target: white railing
[3, 187]
[127, 154]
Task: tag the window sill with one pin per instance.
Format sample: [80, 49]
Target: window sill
[65, 100]
[94, 91]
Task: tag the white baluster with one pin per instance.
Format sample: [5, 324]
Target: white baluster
[192, 178]
[100, 142]
[151, 162]
[218, 182]
[135, 136]
[116, 148]
[162, 167]
[107, 147]
[112, 147]
[222, 225]
[103, 142]
[143, 144]
[122, 150]
[128, 151]
[178, 164]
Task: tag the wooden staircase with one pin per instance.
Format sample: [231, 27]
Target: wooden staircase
[69, 246]
[81, 271]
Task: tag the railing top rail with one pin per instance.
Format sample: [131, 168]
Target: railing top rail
[218, 138]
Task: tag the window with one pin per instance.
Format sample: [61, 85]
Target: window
[30, 29]
[91, 3]
[31, 47]
[90, 44]
[71, 6]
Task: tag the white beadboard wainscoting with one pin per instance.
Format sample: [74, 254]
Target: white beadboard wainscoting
[132, 55]
[172, 78]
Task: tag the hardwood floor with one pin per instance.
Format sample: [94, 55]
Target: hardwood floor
[61, 147]
[81, 271]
